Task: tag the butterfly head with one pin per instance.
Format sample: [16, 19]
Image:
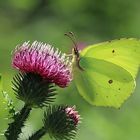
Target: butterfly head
[75, 51]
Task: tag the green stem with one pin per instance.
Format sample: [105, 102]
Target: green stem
[38, 134]
[15, 127]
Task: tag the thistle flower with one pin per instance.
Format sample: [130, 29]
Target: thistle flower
[40, 58]
[61, 122]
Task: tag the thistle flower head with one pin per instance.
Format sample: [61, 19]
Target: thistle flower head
[61, 122]
[40, 58]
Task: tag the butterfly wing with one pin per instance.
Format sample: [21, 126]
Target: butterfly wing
[109, 71]
[123, 52]
[103, 83]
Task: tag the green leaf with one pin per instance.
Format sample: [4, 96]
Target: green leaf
[3, 111]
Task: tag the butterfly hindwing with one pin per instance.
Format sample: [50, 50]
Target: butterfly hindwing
[103, 83]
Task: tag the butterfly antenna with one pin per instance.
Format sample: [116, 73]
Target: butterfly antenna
[72, 38]
[76, 52]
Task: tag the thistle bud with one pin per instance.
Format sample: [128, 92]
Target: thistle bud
[61, 122]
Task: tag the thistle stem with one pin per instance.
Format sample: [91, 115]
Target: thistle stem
[38, 134]
[14, 129]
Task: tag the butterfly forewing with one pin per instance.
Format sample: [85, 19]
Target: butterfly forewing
[123, 52]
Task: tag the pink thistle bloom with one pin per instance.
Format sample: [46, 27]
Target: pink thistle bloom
[42, 59]
[73, 114]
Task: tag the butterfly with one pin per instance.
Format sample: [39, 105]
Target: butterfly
[105, 73]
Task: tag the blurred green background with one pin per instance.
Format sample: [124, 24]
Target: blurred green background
[92, 21]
